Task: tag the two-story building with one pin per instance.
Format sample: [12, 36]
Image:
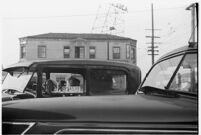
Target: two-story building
[78, 46]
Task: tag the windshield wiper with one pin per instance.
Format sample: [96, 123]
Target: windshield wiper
[148, 90]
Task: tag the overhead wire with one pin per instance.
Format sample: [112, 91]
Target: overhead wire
[83, 15]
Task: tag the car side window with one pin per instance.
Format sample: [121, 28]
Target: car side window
[59, 84]
[32, 85]
[186, 77]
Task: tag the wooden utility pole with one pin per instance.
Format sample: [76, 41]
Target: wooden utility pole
[152, 48]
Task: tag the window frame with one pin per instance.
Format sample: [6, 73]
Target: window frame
[183, 54]
[65, 54]
[128, 51]
[22, 54]
[113, 69]
[92, 54]
[133, 55]
[114, 54]
[45, 52]
[177, 69]
[79, 52]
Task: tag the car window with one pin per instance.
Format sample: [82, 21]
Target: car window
[17, 80]
[186, 77]
[32, 85]
[107, 82]
[63, 84]
[162, 72]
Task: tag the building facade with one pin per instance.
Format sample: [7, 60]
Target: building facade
[78, 46]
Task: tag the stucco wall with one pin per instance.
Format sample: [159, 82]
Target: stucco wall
[54, 48]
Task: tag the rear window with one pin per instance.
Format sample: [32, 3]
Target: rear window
[107, 82]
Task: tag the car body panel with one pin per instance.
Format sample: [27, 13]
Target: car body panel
[118, 108]
[126, 114]
[82, 67]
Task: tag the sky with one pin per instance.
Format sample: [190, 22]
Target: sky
[22, 18]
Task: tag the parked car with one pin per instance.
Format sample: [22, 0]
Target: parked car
[166, 103]
[69, 78]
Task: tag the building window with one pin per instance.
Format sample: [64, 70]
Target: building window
[92, 52]
[116, 52]
[66, 52]
[79, 52]
[132, 53]
[127, 51]
[41, 51]
[22, 51]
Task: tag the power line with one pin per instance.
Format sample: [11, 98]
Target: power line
[82, 15]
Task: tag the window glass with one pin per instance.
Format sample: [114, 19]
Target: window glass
[128, 51]
[92, 52]
[116, 52]
[186, 77]
[17, 80]
[107, 82]
[65, 84]
[66, 52]
[162, 72]
[23, 51]
[79, 52]
[32, 85]
[41, 51]
[132, 53]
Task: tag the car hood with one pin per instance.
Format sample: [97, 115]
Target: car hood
[134, 108]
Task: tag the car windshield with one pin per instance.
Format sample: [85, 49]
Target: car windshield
[167, 74]
[17, 80]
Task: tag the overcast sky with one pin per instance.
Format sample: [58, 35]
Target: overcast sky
[21, 18]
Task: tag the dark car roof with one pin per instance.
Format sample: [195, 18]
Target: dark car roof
[135, 108]
[29, 64]
[178, 51]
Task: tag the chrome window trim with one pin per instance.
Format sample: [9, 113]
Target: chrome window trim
[185, 131]
[30, 124]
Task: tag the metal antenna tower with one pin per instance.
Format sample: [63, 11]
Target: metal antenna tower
[112, 21]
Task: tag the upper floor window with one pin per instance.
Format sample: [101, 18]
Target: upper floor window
[116, 52]
[66, 52]
[132, 53]
[79, 52]
[127, 51]
[41, 51]
[22, 51]
[92, 52]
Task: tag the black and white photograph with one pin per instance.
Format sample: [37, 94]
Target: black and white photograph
[99, 67]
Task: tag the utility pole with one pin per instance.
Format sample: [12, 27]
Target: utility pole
[194, 15]
[152, 48]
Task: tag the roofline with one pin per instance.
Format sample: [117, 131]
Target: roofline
[110, 38]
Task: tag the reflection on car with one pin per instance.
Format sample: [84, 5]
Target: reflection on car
[166, 103]
[70, 78]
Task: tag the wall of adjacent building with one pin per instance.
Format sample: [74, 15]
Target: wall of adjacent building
[54, 48]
